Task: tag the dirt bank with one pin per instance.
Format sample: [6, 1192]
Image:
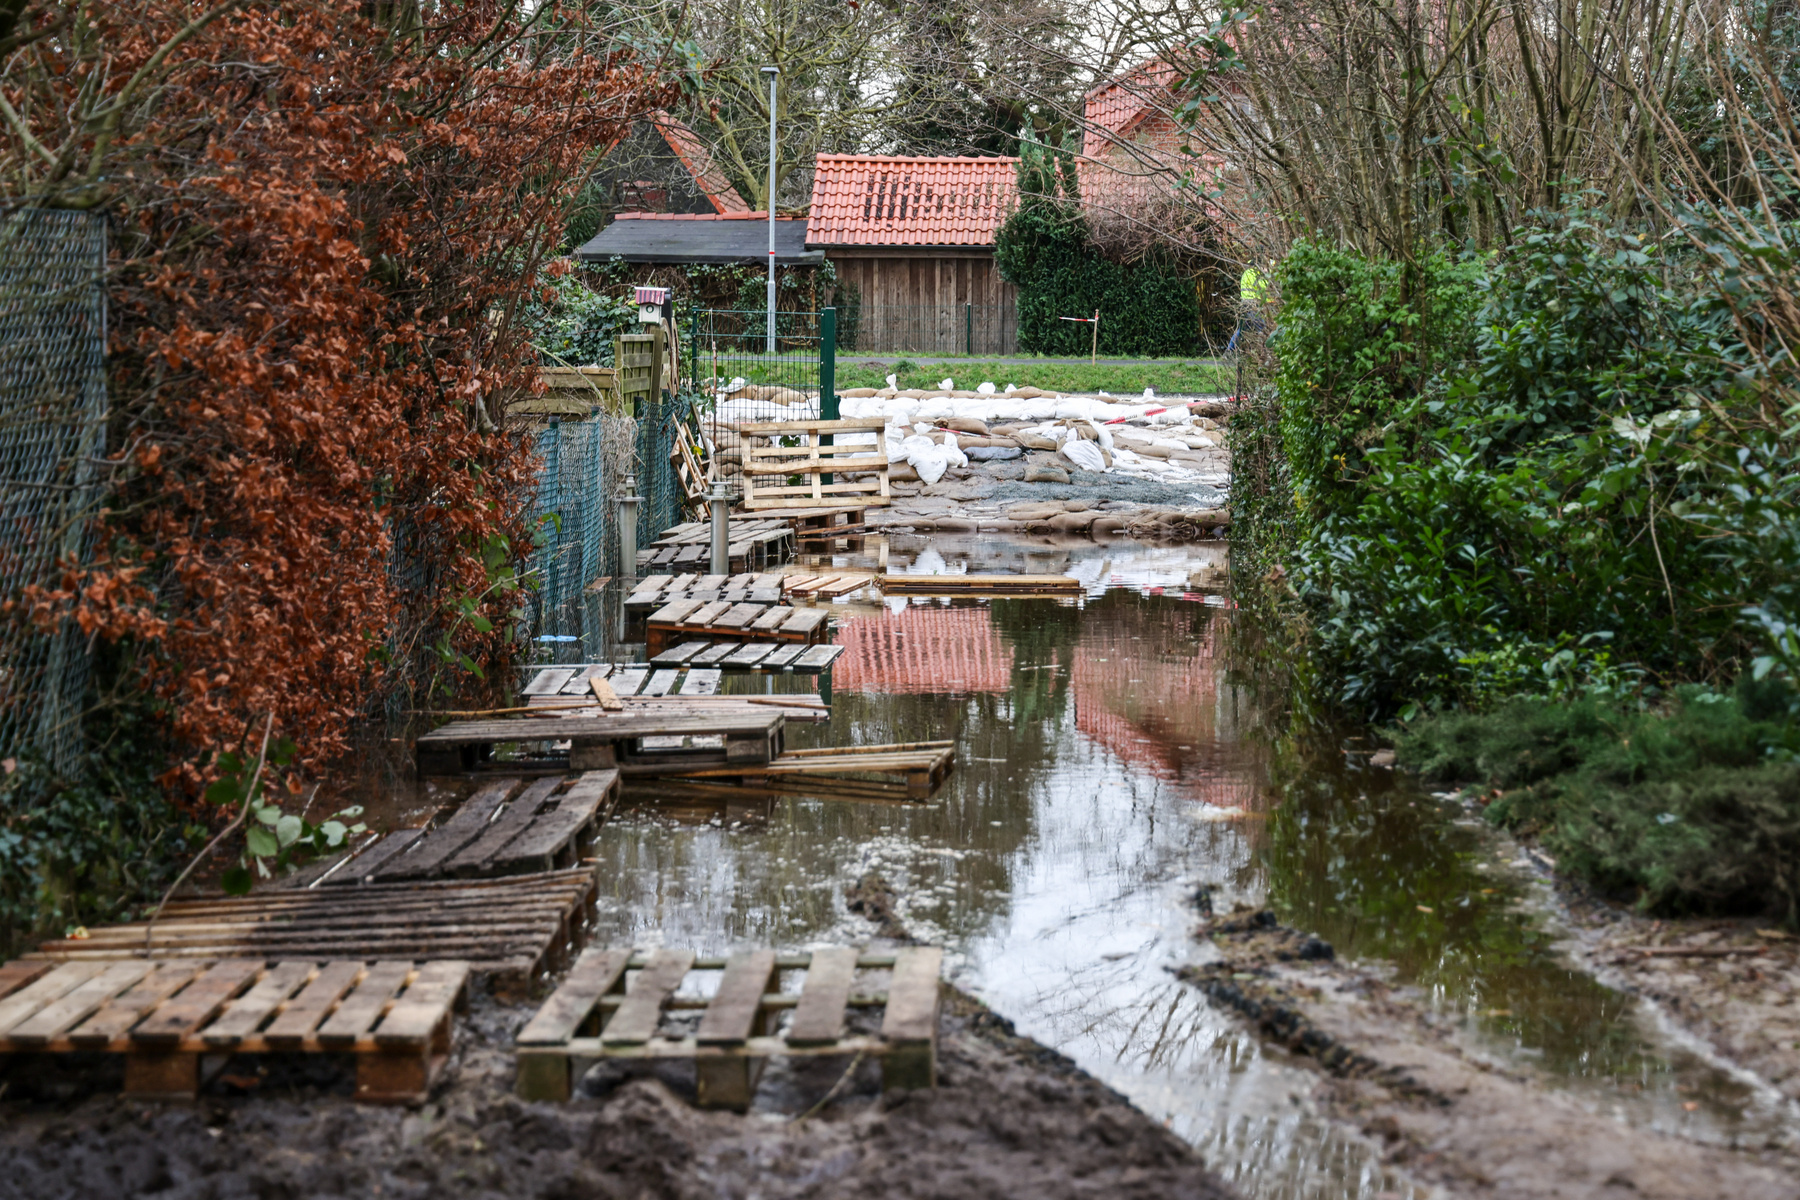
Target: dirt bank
[1450, 1116]
[1009, 1119]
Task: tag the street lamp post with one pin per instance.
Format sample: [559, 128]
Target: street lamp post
[773, 73]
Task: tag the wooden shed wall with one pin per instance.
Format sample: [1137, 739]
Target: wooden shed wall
[919, 300]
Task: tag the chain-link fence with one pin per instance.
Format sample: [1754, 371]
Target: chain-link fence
[576, 507]
[729, 346]
[52, 429]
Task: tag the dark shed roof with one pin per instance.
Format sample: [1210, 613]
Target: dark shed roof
[701, 238]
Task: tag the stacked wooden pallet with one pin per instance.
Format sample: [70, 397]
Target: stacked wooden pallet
[825, 586]
[796, 657]
[654, 591]
[512, 928]
[826, 472]
[394, 1016]
[752, 544]
[593, 1016]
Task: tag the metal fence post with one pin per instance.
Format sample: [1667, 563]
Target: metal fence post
[828, 400]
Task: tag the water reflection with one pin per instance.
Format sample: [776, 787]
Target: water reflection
[1105, 771]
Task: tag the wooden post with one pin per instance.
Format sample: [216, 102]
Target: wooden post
[1094, 354]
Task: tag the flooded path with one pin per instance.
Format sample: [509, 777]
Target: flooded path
[1108, 771]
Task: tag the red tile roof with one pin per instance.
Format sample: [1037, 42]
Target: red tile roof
[873, 200]
[699, 163]
[1115, 108]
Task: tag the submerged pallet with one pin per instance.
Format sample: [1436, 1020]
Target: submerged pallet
[507, 827]
[767, 657]
[923, 765]
[595, 1016]
[978, 585]
[394, 1016]
[702, 738]
[512, 929]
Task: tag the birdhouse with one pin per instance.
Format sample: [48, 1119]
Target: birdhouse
[652, 304]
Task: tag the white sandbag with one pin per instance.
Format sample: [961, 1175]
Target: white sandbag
[946, 385]
[985, 388]
[935, 410]
[1101, 434]
[1083, 453]
[994, 453]
[893, 381]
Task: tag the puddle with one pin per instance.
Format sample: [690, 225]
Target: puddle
[1105, 772]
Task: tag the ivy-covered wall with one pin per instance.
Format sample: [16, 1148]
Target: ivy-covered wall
[1148, 308]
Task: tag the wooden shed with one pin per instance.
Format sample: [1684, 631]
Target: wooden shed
[914, 240]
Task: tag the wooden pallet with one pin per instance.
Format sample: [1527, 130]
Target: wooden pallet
[721, 620]
[394, 1016]
[750, 735]
[593, 1015]
[812, 460]
[511, 929]
[978, 585]
[923, 765]
[796, 658]
[508, 827]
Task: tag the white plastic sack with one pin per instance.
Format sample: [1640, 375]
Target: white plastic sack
[946, 385]
[1083, 454]
[926, 457]
[985, 388]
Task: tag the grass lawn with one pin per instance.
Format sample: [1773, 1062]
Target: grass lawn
[1167, 376]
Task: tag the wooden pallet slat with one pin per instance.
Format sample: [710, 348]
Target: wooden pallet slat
[357, 1013]
[197, 1003]
[911, 1020]
[825, 996]
[19, 972]
[520, 812]
[53, 986]
[417, 1015]
[637, 1018]
[365, 865]
[58, 1017]
[781, 656]
[747, 656]
[660, 682]
[247, 1013]
[312, 1005]
[627, 681]
[730, 1018]
[126, 1010]
[442, 844]
[556, 831]
[700, 682]
[680, 654]
[817, 658]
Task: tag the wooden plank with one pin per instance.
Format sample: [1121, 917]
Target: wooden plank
[113, 1021]
[359, 1011]
[576, 809]
[705, 614]
[317, 999]
[731, 1017]
[765, 596]
[712, 583]
[636, 1019]
[740, 581]
[819, 1017]
[806, 620]
[675, 611]
[16, 974]
[748, 656]
[422, 1008]
[547, 682]
[660, 683]
[714, 653]
[60, 1016]
[249, 1011]
[806, 585]
[781, 656]
[844, 586]
[18, 1007]
[197, 1003]
[817, 658]
[442, 844]
[626, 683]
[773, 619]
[473, 858]
[595, 974]
[578, 683]
[365, 865]
[912, 1005]
[702, 682]
[738, 616]
[680, 654]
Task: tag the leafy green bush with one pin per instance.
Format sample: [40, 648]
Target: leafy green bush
[575, 325]
[1690, 808]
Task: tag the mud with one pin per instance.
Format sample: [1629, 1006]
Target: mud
[1449, 1115]
[1010, 1118]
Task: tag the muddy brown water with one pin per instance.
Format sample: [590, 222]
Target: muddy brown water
[1110, 767]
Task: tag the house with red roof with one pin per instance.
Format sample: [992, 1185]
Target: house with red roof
[913, 238]
[1133, 150]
